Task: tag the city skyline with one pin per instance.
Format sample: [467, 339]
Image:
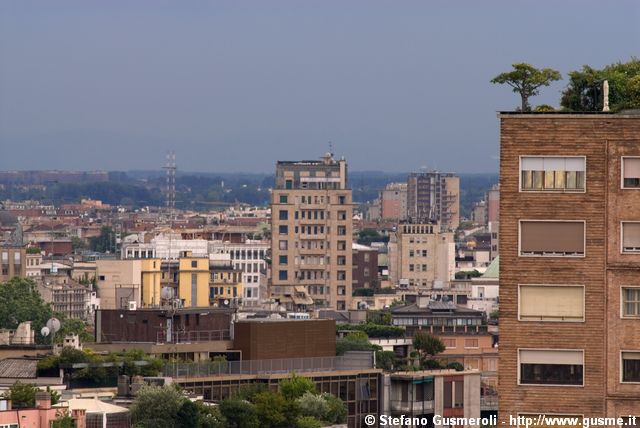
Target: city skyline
[237, 86]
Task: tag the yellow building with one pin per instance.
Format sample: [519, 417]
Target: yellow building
[225, 285]
[151, 284]
[193, 280]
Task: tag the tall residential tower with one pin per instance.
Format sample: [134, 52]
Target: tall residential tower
[311, 218]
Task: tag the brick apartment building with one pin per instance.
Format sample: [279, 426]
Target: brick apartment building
[570, 264]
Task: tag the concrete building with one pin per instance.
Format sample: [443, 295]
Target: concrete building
[426, 393]
[250, 258]
[423, 255]
[41, 416]
[312, 231]
[12, 262]
[393, 202]
[119, 283]
[66, 296]
[569, 264]
[193, 280]
[434, 196]
[226, 287]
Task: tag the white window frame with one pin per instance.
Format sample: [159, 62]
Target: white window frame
[584, 306]
[637, 351]
[622, 158]
[549, 385]
[622, 251]
[521, 190]
[584, 237]
[622, 315]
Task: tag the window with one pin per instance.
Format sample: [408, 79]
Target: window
[411, 253]
[631, 366]
[283, 245]
[366, 256]
[288, 184]
[342, 200]
[282, 275]
[283, 229]
[342, 275]
[342, 215]
[342, 245]
[449, 343]
[551, 303]
[410, 268]
[284, 199]
[552, 238]
[342, 260]
[284, 215]
[631, 301]
[283, 260]
[194, 263]
[630, 237]
[550, 367]
[552, 173]
[631, 172]
[471, 343]
[342, 230]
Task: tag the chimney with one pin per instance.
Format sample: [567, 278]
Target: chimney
[43, 400]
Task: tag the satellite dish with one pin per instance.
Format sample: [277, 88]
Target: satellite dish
[166, 293]
[54, 325]
[226, 302]
[44, 331]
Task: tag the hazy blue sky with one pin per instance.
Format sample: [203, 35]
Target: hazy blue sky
[236, 85]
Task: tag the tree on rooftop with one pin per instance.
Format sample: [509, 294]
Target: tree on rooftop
[527, 80]
[585, 89]
[428, 345]
[19, 302]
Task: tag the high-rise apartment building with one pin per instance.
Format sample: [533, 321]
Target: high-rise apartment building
[12, 262]
[423, 255]
[311, 221]
[434, 196]
[393, 202]
[569, 265]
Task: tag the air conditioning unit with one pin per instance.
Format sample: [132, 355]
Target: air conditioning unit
[133, 305]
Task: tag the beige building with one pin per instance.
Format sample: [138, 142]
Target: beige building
[312, 230]
[422, 255]
[119, 282]
[13, 262]
[434, 196]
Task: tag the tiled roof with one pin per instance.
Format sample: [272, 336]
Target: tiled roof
[18, 368]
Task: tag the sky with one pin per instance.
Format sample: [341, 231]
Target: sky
[234, 86]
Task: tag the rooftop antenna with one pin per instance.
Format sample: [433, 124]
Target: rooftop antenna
[170, 185]
[331, 148]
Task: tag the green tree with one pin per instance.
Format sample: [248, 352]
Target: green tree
[385, 360]
[585, 89]
[337, 413]
[23, 395]
[157, 406]
[73, 326]
[354, 341]
[104, 242]
[527, 80]
[295, 386]
[188, 415]
[63, 420]
[313, 405]
[19, 302]
[272, 409]
[428, 345]
[308, 422]
[78, 243]
[239, 413]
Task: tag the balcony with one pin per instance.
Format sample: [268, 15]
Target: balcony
[411, 407]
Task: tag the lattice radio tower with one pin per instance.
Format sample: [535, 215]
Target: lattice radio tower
[170, 188]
